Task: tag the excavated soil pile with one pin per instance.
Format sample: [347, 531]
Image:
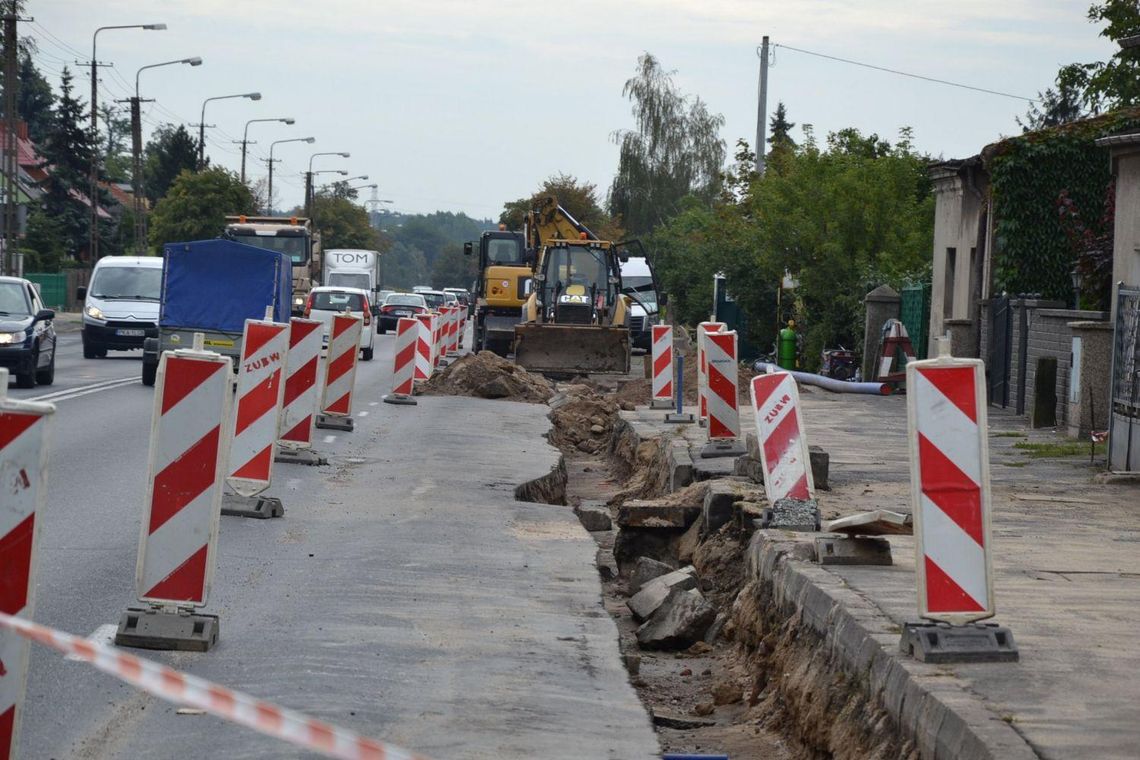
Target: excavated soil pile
[583, 419]
[487, 375]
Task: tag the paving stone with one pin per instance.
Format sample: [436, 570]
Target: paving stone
[646, 569]
[654, 593]
[681, 620]
[594, 518]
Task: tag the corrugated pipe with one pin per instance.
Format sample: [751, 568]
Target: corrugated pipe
[828, 383]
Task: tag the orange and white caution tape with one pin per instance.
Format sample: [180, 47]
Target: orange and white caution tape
[183, 689]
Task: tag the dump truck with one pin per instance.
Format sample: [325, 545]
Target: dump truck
[292, 235]
[213, 287]
[576, 317]
[501, 288]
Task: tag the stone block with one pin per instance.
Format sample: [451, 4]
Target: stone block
[640, 513]
[594, 518]
[820, 465]
[717, 507]
[646, 569]
[680, 466]
[710, 469]
[851, 550]
[654, 593]
[681, 620]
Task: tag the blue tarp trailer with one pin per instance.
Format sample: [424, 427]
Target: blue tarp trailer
[213, 287]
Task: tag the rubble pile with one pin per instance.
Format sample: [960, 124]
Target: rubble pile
[583, 419]
[487, 375]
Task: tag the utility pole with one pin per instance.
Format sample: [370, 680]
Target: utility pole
[269, 192]
[11, 186]
[309, 194]
[137, 176]
[762, 108]
[93, 185]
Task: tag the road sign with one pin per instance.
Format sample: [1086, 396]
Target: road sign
[299, 403]
[780, 433]
[340, 372]
[260, 388]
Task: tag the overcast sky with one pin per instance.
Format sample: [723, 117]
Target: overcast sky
[460, 105]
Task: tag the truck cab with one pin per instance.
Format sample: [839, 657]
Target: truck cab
[292, 235]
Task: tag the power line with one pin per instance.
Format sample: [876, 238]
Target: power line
[56, 41]
[946, 82]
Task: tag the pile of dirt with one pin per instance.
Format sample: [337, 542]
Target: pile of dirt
[634, 393]
[583, 419]
[487, 375]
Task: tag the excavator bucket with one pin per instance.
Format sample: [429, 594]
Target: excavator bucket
[572, 349]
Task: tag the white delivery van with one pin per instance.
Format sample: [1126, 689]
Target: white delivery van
[353, 268]
[120, 304]
[637, 282]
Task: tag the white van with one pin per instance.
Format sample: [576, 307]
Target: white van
[120, 304]
[637, 282]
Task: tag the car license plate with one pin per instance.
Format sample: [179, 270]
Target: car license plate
[130, 333]
[404, 313]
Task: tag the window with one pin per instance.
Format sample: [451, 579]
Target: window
[14, 300]
[948, 287]
[503, 252]
[326, 301]
[128, 283]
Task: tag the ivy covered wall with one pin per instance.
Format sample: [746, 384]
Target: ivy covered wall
[1030, 175]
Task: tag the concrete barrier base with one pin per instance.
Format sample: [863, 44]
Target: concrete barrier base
[179, 629]
[259, 507]
[300, 456]
[329, 422]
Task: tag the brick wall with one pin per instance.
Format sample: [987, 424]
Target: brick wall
[1049, 335]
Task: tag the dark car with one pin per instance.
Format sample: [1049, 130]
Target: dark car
[399, 305]
[27, 334]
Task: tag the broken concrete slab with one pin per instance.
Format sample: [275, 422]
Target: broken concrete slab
[880, 522]
[594, 519]
[646, 569]
[681, 620]
[717, 507]
[654, 593]
[648, 513]
[852, 550]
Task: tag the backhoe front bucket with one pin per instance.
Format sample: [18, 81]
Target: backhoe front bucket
[572, 348]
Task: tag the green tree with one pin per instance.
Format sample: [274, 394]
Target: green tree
[67, 149]
[35, 99]
[781, 128]
[675, 150]
[196, 205]
[1101, 85]
[403, 266]
[452, 269]
[343, 224]
[579, 198]
[169, 152]
[114, 143]
[45, 244]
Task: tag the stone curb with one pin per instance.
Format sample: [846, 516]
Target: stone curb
[941, 717]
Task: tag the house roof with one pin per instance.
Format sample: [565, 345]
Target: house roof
[34, 168]
[1119, 141]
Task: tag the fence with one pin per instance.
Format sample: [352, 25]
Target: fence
[915, 315]
[58, 289]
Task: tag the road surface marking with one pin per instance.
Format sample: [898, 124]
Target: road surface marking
[374, 403]
[83, 390]
[330, 438]
[104, 634]
[362, 414]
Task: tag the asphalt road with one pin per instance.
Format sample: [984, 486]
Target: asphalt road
[405, 594]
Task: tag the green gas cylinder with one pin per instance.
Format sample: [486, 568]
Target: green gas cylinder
[786, 348]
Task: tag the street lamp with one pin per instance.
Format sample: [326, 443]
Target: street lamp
[93, 243]
[245, 138]
[353, 179]
[202, 123]
[309, 178]
[269, 193]
[136, 151]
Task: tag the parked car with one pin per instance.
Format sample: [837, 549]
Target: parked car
[27, 334]
[326, 301]
[399, 305]
[121, 304]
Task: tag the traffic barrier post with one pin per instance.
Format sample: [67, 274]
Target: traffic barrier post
[257, 417]
[950, 492]
[780, 432]
[452, 331]
[185, 690]
[703, 329]
[23, 478]
[340, 373]
[424, 361]
[186, 468]
[661, 357]
[680, 416]
[299, 404]
[440, 338]
[721, 377]
[404, 363]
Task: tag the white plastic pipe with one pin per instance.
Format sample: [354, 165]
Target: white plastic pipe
[828, 383]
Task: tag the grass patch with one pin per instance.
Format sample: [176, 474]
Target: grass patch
[1057, 449]
[1009, 434]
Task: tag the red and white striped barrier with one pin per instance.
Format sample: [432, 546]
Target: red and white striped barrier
[721, 373]
[340, 373]
[260, 389]
[662, 366]
[452, 331]
[424, 361]
[23, 475]
[950, 486]
[438, 338]
[780, 433]
[404, 362]
[299, 404]
[190, 691]
[186, 468]
[703, 329]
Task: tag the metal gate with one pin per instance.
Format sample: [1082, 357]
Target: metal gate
[1001, 350]
[1124, 422]
[915, 315]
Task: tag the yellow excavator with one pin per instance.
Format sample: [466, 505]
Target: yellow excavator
[501, 288]
[575, 319]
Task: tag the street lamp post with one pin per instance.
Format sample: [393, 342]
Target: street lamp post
[245, 138]
[202, 123]
[269, 192]
[136, 153]
[93, 240]
[309, 179]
